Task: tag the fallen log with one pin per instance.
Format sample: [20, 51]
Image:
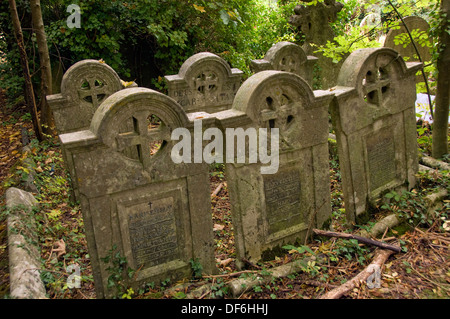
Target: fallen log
[381, 255]
[432, 162]
[364, 240]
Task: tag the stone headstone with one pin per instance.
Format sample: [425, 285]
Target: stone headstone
[288, 57]
[156, 212]
[84, 86]
[270, 210]
[313, 21]
[204, 83]
[374, 118]
[409, 54]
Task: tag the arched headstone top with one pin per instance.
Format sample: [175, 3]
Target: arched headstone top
[84, 86]
[375, 73]
[416, 25]
[153, 115]
[90, 82]
[286, 56]
[201, 62]
[275, 99]
[266, 83]
[289, 57]
[205, 82]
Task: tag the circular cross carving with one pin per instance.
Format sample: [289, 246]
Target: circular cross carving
[149, 136]
[376, 79]
[206, 82]
[275, 99]
[137, 122]
[90, 82]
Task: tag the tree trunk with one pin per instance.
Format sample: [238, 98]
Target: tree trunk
[441, 112]
[29, 93]
[45, 66]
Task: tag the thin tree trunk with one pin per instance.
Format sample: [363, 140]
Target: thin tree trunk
[440, 122]
[45, 66]
[29, 93]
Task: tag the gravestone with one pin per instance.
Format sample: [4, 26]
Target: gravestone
[374, 118]
[288, 57]
[204, 83]
[313, 21]
[270, 210]
[84, 86]
[415, 25]
[156, 212]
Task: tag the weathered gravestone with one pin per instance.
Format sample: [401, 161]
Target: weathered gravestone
[313, 21]
[277, 208]
[288, 57]
[84, 86]
[397, 39]
[156, 212]
[204, 83]
[374, 118]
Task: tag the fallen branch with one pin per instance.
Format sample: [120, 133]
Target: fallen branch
[364, 240]
[381, 255]
[217, 190]
[432, 162]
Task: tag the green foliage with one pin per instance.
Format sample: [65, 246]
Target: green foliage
[300, 250]
[197, 268]
[118, 273]
[350, 249]
[144, 40]
[219, 289]
[347, 43]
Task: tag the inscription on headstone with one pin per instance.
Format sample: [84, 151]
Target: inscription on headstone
[282, 194]
[153, 233]
[381, 158]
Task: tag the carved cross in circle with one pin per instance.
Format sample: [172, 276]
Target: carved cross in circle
[206, 82]
[93, 91]
[279, 112]
[375, 85]
[143, 137]
[288, 63]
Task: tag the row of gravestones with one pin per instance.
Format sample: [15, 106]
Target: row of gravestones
[117, 146]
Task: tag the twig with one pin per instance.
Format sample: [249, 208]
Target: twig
[440, 285]
[358, 238]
